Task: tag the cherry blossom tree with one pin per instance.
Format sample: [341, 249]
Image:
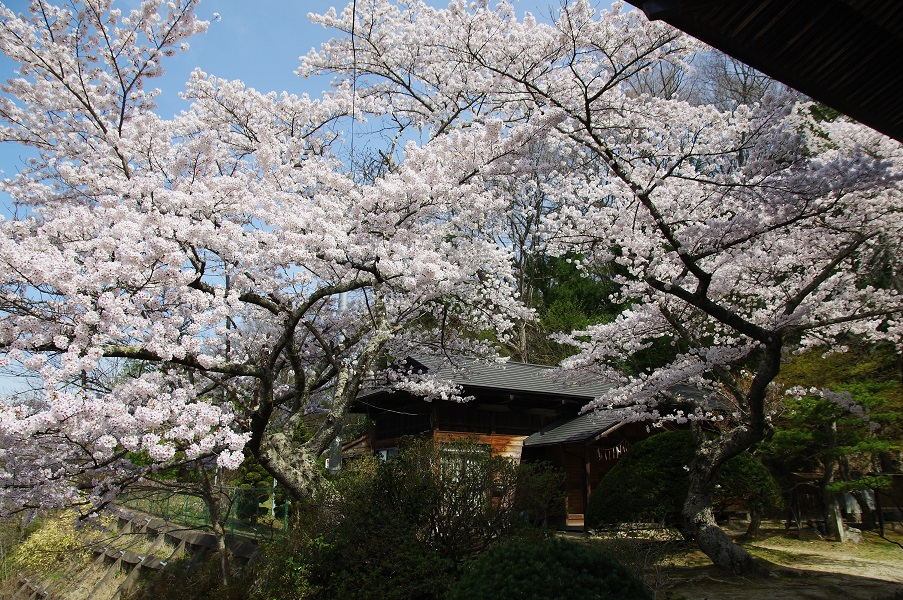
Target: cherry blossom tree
[247, 279]
[242, 277]
[744, 232]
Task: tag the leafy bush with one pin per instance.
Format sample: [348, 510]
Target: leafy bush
[401, 529]
[187, 579]
[255, 488]
[406, 530]
[745, 481]
[382, 546]
[551, 570]
[285, 570]
[649, 484]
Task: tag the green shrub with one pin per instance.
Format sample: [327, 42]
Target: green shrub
[254, 489]
[538, 496]
[551, 570]
[381, 547]
[287, 569]
[745, 481]
[650, 482]
[409, 523]
[401, 529]
[187, 579]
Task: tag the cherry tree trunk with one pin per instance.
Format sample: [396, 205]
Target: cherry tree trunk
[699, 523]
[698, 517]
[291, 464]
[222, 550]
[218, 515]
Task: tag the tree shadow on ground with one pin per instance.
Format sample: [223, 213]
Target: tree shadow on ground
[775, 582]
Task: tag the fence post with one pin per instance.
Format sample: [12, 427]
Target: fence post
[230, 519]
[285, 517]
[880, 512]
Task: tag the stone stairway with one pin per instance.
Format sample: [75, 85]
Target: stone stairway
[137, 543]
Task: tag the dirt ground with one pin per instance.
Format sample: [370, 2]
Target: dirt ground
[791, 569]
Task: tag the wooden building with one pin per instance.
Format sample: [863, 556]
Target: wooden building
[523, 411]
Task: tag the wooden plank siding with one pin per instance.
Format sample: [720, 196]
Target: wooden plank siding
[361, 446]
[510, 446]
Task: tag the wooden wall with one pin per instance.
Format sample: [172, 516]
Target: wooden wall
[510, 446]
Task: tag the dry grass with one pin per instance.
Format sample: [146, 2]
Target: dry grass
[791, 569]
[57, 555]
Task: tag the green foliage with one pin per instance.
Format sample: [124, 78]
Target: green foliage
[744, 481]
[407, 529]
[822, 112]
[382, 547]
[401, 529]
[187, 579]
[812, 432]
[554, 569]
[538, 498]
[255, 489]
[650, 482]
[862, 483]
[286, 570]
[566, 298]
[570, 298]
[646, 483]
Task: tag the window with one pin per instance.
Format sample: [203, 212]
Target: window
[385, 454]
[466, 476]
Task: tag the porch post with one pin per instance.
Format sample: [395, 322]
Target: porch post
[586, 490]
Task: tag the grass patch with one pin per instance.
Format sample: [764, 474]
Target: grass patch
[783, 557]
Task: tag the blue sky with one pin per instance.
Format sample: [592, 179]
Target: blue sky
[260, 41]
[256, 41]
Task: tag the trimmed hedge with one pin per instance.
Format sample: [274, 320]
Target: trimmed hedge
[553, 569]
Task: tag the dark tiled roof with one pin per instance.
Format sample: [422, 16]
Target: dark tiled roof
[573, 431]
[517, 377]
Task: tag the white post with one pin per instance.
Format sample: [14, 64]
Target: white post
[273, 501]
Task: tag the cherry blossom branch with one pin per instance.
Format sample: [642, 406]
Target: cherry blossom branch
[843, 254]
[851, 318]
[714, 310]
[136, 353]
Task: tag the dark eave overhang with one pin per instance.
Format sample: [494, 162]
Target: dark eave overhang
[843, 53]
[582, 429]
[386, 399]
